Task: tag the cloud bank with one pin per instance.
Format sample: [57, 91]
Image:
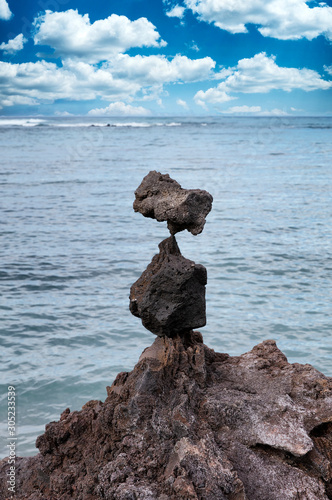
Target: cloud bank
[124, 77]
[94, 65]
[282, 19]
[71, 35]
[120, 109]
[261, 74]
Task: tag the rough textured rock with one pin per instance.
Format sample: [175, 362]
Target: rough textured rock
[169, 296]
[189, 423]
[162, 198]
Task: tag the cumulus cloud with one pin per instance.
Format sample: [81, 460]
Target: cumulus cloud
[46, 82]
[120, 109]
[213, 96]
[182, 103]
[255, 110]
[176, 11]
[260, 74]
[63, 113]
[13, 45]
[72, 35]
[152, 70]
[283, 19]
[12, 100]
[94, 64]
[244, 109]
[122, 79]
[5, 13]
[274, 112]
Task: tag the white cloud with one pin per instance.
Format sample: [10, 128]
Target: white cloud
[194, 46]
[283, 19]
[5, 13]
[213, 96]
[120, 109]
[73, 36]
[63, 113]
[13, 45]
[182, 103]
[176, 11]
[260, 74]
[222, 74]
[328, 69]
[122, 79]
[152, 70]
[244, 109]
[43, 81]
[256, 110]
[81, 45]
[201, 103]
[12, 100]
[273, 112]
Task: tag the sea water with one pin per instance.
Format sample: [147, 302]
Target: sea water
[71, 246]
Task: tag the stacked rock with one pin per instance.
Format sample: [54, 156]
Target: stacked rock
[169, 296]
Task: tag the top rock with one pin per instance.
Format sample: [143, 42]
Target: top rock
[162, 198]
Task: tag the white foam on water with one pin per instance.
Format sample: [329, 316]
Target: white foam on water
[72, 123]
[20, 122]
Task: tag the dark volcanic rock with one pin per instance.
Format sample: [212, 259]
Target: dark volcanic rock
[169, 297]
[189, 423]
[162, 198]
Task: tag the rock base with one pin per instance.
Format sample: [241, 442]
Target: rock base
[190, 423]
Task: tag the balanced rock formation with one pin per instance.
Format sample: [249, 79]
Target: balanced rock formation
[191, 424]
[188, 423]
[169, 296]
[162, 198]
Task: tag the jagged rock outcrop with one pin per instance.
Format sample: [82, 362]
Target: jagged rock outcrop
[190, 423]
[169, 296]
[162, 198]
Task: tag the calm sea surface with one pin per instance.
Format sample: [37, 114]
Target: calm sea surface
[71, 246]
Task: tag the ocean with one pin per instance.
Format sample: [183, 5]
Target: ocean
[71, 246]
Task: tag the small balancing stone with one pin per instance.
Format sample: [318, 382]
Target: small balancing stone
[162, 198]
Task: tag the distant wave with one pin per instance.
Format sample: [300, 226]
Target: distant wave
[36, 122]
[319, 126]
[115, 122]
[21, 122]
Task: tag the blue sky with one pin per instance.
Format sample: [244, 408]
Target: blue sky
[185, 57]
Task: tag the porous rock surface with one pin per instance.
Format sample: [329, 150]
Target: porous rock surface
[169, 296]
[162, 198]
[190, 423]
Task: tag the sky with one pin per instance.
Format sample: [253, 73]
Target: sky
[165, 57]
